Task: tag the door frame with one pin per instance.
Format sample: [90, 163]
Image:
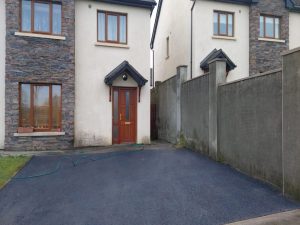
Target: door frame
[136, 111]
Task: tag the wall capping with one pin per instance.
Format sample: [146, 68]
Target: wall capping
[47, 36]
[39, 134]
[271, 72]
[290, 51]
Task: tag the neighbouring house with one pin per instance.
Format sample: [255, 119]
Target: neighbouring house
[76, 73]
[250, 34]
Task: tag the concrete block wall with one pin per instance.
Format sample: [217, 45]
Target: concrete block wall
[195, 113]
[291, 123]
[250, 126]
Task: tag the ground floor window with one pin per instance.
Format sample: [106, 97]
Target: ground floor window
[40, 107]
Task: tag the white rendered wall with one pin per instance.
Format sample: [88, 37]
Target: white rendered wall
[204, 43]
[93, 111]
[2, 72]
[174, 23]
[294, 30]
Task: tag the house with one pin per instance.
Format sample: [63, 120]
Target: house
[250, 34]
[76, 73]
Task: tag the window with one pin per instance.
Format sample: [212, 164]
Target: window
[40, 106]
[168, 47]
[223, 23]
[269, 27]
[40, 16]
[112, 27]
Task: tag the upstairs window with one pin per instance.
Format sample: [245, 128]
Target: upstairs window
[40, 107]
[112, 27]
[223, 23]
[40, 16]
[269, 27]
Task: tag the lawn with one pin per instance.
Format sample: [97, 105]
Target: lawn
[9, 166]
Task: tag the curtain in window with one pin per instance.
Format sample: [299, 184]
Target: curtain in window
[269, 27]
[123, 29]
[26, 15]
[56, 106]
[25, 105]
[41, 107]
[56, 19]
[223, 24]
[101, 27]
[41, 17]
[112, 29]
[216, 24]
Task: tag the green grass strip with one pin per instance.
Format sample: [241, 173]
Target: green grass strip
[9, 166]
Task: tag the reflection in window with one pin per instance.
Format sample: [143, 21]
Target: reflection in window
[40, 106]
[26, 15]
[41, 17]
[112, 28]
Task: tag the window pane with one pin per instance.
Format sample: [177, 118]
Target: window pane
[123, 29]
[56, 106]
[101, 27]
[127, 106]
[223, 24]
[230, 25]
[56, 19]
[116, 107]
[41, 17]
[41, 107]
[269, 27]
[26, 15]
[277, 28]
[261, 27]
[216, 24]
[112, 28]
[25, 105]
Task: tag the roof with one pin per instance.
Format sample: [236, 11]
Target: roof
[292, 5]
[150, 4]
[217, 54]
[125, 67]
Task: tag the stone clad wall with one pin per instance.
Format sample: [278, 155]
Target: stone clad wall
[265, 56]
[39, 60]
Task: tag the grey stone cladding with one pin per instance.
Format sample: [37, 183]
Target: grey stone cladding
[263, 55]
[39, 60]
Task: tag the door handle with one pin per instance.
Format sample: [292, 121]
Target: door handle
[120, 116]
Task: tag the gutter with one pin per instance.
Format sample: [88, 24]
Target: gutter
[192, 9]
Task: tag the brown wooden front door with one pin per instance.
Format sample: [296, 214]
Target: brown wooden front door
[124, 115]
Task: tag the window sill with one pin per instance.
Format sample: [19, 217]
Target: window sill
[47, 36]
[271, 40]
[111, 45]
[39, 134]
[224, 38]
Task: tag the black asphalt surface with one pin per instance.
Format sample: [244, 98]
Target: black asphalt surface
[150, 187]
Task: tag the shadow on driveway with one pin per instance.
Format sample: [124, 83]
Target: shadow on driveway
[150, 187]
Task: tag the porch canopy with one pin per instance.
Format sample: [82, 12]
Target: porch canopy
[217, 54]
[124, 70]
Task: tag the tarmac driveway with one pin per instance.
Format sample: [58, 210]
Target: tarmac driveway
[139, 187]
